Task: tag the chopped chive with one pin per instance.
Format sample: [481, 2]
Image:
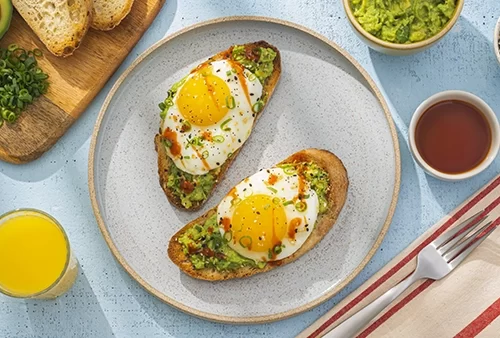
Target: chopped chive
[235, 201]
[257, 106]
[301, 206]
[277, 249]
[228, 236]
[287, 203]
[248, 241]
[224, 125]
[272, 189]
[218, 138]
[230, 102]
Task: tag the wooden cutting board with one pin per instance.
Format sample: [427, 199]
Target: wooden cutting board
[74, 81]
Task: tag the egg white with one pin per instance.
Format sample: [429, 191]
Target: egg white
[287, 188]
[242, 119]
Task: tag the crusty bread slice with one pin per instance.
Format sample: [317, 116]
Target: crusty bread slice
[163, 161]
[60, 24]
[109, 13]
[337, 194]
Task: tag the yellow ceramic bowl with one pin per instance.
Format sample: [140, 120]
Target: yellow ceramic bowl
[396, 48]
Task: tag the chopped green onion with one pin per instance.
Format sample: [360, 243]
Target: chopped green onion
[230, 102]
[306, 196]
[167, 143]
[11, 118]
[288, 169]
[267, 206]
[21, 80]
[224, 125]
[228, 73]
[228, 236]
[247, 239]
[235, 201]
[186, 126]
[187, 157]
[272, 189]
[205, 154]
[269, 254]
[177, 85]
[277, 249]
[276, 200]
[287, 203]
[257, 106]
[301, 206]
[252, 77]
[218, 138]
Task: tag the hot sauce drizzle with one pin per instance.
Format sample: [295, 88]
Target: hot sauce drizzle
[272, 179]
[241, 77]
[226, 224]
[293, 226]
[171, 136]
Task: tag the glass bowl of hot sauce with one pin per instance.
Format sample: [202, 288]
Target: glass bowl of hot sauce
[454, 135]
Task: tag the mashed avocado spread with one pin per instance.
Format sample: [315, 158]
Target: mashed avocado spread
[195, 188]
[190, 188]
[403, 21]
[206, 248]
[259, 61]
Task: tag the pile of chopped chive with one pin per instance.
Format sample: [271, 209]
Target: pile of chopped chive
[21, 80]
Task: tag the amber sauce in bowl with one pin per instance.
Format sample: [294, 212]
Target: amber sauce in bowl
[453, 136]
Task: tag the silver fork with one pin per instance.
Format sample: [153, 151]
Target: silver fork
[435, 261]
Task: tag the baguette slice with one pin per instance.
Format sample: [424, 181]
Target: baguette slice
[164, 161]
[108, 14]
[336, 197]
[60, 24]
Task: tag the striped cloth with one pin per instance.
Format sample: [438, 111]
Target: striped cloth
[464, 304]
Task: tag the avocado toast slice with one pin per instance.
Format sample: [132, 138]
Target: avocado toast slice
[188, 191]
[200, 251]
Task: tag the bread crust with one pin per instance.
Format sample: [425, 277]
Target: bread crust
[104, 22]
[336, 197]
[163, 162]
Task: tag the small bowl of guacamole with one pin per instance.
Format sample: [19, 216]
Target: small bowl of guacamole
[402, 27]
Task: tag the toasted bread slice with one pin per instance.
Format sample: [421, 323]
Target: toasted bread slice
[336, 197]
[163, 160]
[108, 14]
[59, 24]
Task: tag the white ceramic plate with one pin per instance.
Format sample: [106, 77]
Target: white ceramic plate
[324, 99]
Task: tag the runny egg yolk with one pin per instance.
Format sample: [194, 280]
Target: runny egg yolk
[258, 224]
[202, 99]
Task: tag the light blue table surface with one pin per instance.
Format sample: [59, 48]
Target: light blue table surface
[106, 302]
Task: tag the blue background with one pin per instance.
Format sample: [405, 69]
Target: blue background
[106, 302]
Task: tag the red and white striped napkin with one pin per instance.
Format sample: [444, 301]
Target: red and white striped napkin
[464, 304]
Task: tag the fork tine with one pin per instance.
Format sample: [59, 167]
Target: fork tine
[457, 260]
[446, 247]
[445, 237]
[456, 250]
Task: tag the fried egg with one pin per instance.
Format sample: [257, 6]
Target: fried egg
[211, 114]
[269, 215]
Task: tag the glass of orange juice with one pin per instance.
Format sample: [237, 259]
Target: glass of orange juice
[35, 256]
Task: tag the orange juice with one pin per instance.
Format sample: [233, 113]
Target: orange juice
[34, 255]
